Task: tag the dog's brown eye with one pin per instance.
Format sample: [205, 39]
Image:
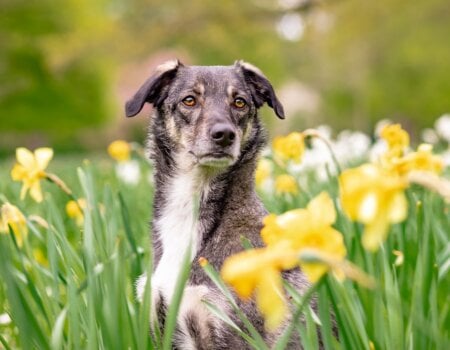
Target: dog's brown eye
[189, 101]
[239, 103]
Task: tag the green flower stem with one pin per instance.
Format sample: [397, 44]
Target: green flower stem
[316, 134]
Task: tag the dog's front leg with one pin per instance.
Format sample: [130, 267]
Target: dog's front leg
[158, 303]
[197, 328]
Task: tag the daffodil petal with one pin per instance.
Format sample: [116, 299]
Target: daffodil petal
[270, 299]
[43, 156]
[271, 232]
[368, 208]
[25, 157]
[36, 192]
[375, 233]
[313, 271]
[18, 172]
[322, 208]
[240, 271]
[399, 208]
[24, 190]
[290, 217]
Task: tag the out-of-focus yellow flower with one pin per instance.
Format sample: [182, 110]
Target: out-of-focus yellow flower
[286, 184]
[40, 257]
[374, 197]
[12, 216]
[396, 138]
[263, 171]
[119, 150]
[400, 257]
[290, 147]
[286, 237]
[310, 229]
[422, 160]
[74, 210]
[30, 169]
[259, 270]
[319, 214]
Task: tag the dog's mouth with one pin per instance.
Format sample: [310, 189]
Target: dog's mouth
[215, 159]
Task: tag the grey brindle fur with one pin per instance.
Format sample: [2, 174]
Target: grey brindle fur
[204, 145]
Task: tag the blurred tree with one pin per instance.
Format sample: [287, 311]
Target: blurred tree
[365, 60]
[48, 86]
[379, 59]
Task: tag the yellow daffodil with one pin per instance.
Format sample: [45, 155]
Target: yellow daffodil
[310, 229]
[396, 138]
[374, 197]
[286, 184]
[263, 171]
[30, 169]
[286, 237]
[259, 270]
[422, 160]
[290, 147]
[11, 216]
[119, 150]
[400, 257]
[74, 210]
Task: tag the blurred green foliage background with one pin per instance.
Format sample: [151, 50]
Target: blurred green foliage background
[67, 66]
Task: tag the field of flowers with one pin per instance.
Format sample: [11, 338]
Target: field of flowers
[366, 218]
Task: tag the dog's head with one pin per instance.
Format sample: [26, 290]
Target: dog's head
[208, 112]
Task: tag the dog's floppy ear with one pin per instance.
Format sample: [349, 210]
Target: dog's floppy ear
[153, 89]
[261, 88]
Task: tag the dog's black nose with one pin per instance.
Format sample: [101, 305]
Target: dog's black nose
[222, 134]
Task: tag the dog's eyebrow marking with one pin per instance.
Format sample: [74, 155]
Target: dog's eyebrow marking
[199, 88]
[231, 91]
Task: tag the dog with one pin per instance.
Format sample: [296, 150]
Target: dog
[205, 137]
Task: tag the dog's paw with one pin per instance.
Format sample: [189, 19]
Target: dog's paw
[158, 303]
[197, 327]
[192, 301]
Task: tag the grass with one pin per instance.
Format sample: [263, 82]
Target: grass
[81, 296]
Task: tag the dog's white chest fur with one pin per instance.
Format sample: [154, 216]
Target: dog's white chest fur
[178, 230]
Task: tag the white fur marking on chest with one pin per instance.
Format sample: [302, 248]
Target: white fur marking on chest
[177, 227]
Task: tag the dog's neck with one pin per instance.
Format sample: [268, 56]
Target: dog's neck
[190, 202]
